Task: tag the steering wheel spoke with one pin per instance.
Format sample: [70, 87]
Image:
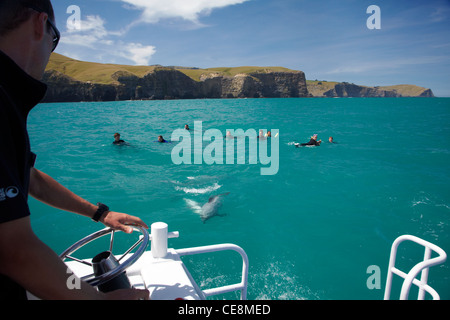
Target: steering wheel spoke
[111, 240]
[79, 260]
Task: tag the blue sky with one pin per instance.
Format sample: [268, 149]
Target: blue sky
[327, 39]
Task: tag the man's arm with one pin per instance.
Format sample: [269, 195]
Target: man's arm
[33, 265]
[45, 189]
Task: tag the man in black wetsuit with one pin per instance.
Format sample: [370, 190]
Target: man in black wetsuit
[161, 139]
[312, 142]
[117, 139]
[28, 35]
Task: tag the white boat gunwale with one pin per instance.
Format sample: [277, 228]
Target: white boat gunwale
[161, 269]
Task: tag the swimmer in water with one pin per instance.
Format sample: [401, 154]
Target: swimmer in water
[161, 139]
[312, 142]
[330, 140]
[261, 134]
[117, 140]
[186, 127]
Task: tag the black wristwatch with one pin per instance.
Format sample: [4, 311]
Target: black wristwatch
[102, 208]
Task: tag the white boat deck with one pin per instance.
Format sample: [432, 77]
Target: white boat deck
[166, 278]
[162, 271]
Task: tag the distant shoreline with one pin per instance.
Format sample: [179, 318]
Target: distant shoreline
[70, 80]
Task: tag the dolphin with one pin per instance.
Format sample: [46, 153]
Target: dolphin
[209, 209]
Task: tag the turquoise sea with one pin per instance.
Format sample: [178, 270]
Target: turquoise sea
[311, 231]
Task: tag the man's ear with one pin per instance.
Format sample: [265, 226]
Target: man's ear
[40, 25]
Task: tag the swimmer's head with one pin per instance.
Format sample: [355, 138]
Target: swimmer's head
[314, 136]
[117, 136]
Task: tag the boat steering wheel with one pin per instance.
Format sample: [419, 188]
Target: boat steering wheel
[98, 280]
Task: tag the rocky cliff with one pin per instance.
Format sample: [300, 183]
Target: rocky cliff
[71, 80]
[344, 89]
[166, 83]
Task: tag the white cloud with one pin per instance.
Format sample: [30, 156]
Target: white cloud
[138, 53]
[93, 34]
[93, 24]
[191, 10]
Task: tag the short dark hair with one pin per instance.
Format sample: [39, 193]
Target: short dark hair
[15, 12]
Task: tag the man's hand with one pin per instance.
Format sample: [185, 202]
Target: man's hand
[121, 221]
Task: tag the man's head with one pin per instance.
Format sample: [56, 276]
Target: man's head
[28, 33]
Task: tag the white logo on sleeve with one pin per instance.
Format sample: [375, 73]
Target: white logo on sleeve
[9, 192]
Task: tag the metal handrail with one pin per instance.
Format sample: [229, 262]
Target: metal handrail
[423, 267]
[242, 286]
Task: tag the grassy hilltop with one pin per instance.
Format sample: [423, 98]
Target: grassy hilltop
[91, 71]
[102, 73]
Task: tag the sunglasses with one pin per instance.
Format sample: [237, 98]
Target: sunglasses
[52, 25]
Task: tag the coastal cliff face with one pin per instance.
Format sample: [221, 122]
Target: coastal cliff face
[256, 85]
[166, 83]
[353, 90]
[72, 80]
[61, 88]
[347, 90]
